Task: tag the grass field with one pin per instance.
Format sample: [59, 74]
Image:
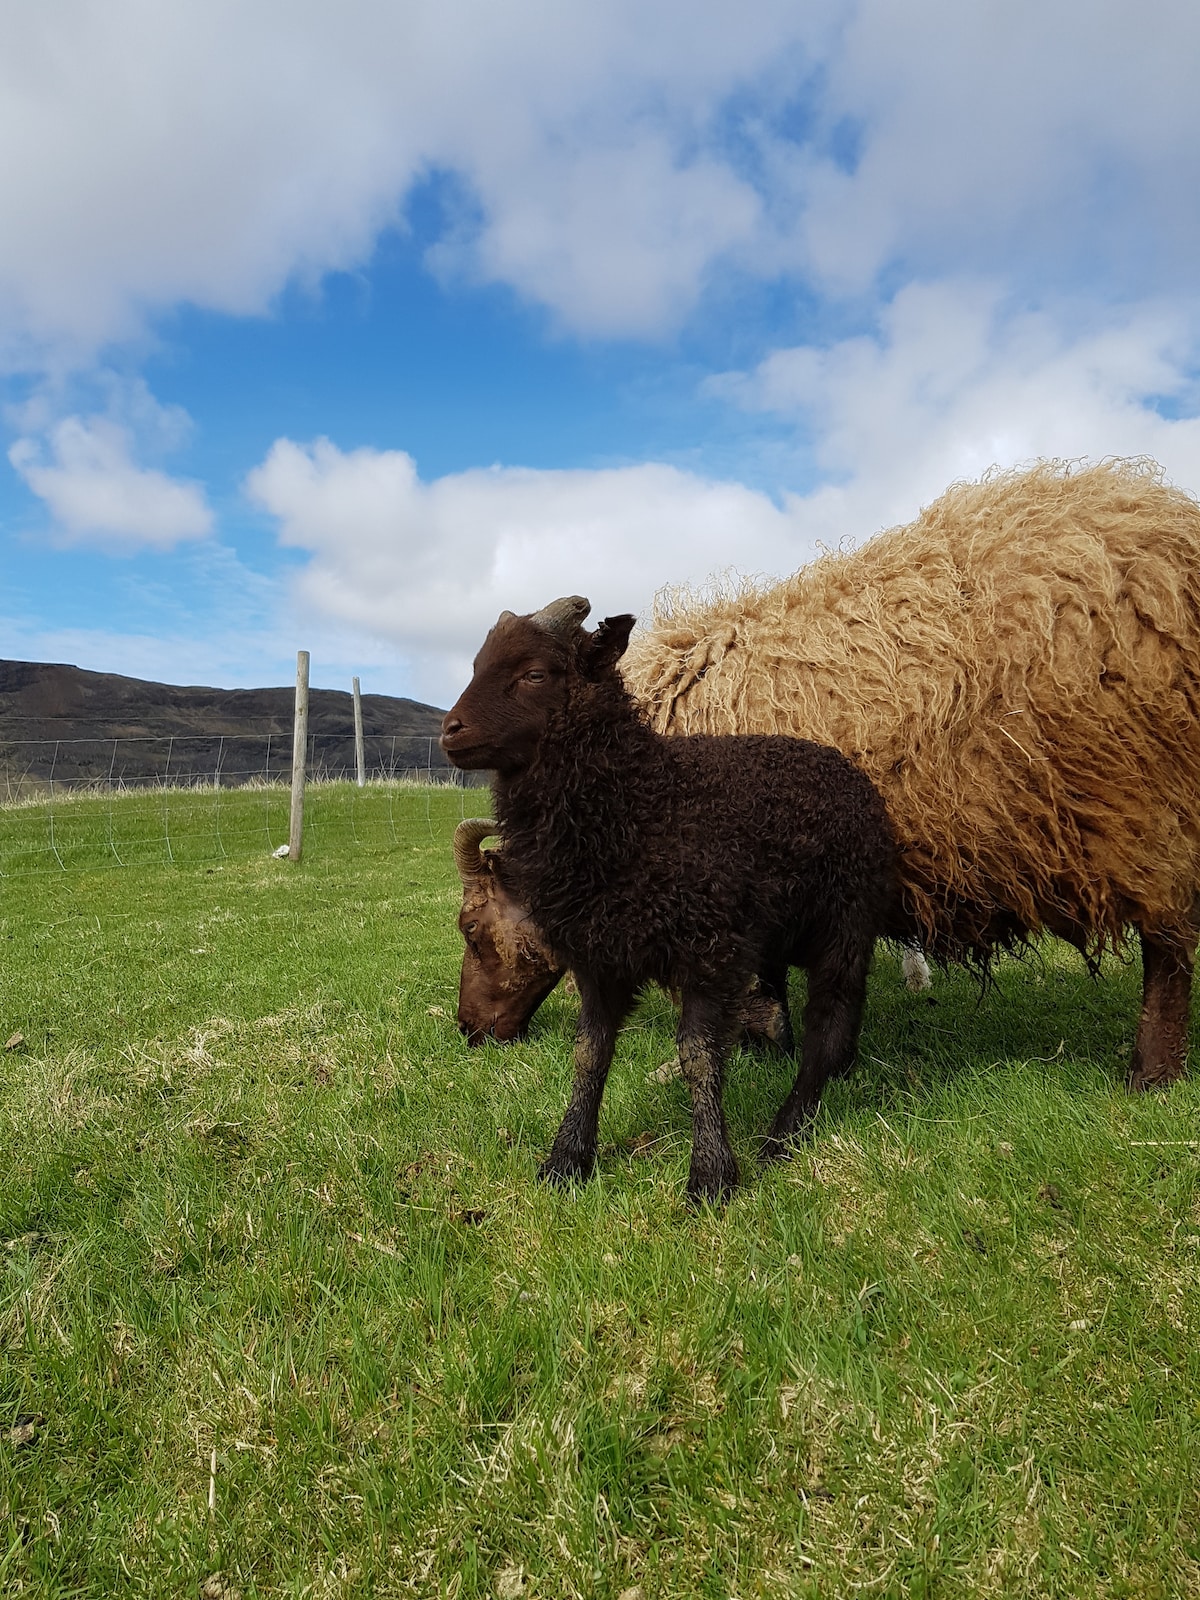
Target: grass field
[286, 1313]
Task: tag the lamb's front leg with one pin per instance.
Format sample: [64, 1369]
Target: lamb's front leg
[705, 1028]
[601, 1013]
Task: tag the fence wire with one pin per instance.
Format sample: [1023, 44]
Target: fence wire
[85, 805]
[35, 767]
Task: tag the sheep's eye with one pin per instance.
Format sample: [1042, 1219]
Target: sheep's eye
[470, 927]
[535, 675]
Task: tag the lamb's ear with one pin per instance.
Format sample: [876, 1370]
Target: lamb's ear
[605, 647]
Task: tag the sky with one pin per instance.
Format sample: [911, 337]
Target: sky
[347, 326]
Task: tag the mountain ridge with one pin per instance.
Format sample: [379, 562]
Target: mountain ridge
[76, 725]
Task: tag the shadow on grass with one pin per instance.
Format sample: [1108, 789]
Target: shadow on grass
[1045, 1011]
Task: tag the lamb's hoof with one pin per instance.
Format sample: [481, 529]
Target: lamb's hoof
[563, 1170]
[787, 1133]
[713, 1188]
[777, 1147]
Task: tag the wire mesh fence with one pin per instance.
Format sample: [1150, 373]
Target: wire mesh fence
[88, 804]
[33, 768]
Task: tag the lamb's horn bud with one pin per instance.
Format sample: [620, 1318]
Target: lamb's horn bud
[562, 616]
[468, 836]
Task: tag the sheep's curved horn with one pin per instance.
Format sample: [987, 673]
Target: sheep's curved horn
[468, 836]
[562, 616]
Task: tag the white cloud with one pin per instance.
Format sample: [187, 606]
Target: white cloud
[953, 382]
[1038, 137]
[620, 238]
[956, 380]
[208, 151]
[98, 495]
[429, 566]
[1019, 168]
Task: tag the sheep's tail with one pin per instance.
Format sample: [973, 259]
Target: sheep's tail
[915, 969]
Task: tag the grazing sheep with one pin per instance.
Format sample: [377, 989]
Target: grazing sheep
[508, 969]
[1019, 672]
[696, 863]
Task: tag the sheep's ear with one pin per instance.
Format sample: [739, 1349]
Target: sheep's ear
[604, 648]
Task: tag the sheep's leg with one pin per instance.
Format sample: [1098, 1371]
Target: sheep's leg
[764, 1012]
[705, 1026]
[602, 1011]
[1160, 1050]
[832, 1019]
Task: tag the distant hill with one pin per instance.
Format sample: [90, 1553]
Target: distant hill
[77, 726]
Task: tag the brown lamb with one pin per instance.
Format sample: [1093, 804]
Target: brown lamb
[702, 864]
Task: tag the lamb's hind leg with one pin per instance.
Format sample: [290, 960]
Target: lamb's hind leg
[764, 1010]
[1160, 1050]
[705, 1027]
[832, 1019]
[602, 1011]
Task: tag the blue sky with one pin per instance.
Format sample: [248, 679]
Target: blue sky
[347, 327]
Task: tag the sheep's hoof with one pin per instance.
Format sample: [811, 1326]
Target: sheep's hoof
[562, 1170]
[713, 1188]
[1144, 1077]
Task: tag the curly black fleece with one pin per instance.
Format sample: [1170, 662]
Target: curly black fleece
[695, 860]
[701, 863]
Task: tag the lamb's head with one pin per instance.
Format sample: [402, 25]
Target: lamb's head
[524, 675]
[507, 970]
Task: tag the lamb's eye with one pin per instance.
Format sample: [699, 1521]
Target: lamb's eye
[470, 927]
[536, 675]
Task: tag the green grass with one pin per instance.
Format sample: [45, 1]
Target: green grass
[258, 1198]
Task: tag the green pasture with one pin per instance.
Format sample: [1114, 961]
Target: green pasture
[285, 1313]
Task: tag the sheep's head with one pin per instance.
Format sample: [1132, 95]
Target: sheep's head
[507, 971]
[523, 676]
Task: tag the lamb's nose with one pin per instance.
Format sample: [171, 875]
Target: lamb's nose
[451, 725]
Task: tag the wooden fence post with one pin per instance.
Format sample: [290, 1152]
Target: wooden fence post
[359, 753]
[299, 756]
